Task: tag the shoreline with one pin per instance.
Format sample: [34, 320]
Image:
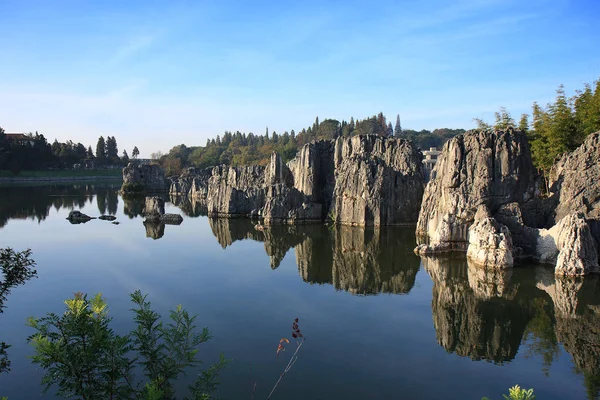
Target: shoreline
[58, 179]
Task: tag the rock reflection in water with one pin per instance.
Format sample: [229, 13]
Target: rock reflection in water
[154, 230]
[475, 313]
[485, 314]
[190, 206]
[577, 312]
[357, 260]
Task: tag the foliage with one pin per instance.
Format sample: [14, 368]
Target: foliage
[541, 336]
[516, 393]
[84, 357]
[559, 127]
[35, 152]
[245, 149]
[17, 268]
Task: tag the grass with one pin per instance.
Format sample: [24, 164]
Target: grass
[66, 173]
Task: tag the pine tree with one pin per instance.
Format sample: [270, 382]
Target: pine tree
[390, 130]
[135, 153]
[112, 152]
[398, 128]
[125, 157]
[503, 119]
[101, 151]
[524, 123]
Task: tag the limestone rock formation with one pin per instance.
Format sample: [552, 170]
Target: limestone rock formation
[363, 180]
[479, 167]
[139, 178]
[577, 250]
[171, 219]
[575, 181]
[107, 217]
[193, 182]
[490, 244]
[378, 181]
[235, 191]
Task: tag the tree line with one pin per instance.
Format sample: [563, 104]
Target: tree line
[236, 148]
[34, 152]
[559, 127]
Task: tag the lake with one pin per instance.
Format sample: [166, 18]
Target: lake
[379, 322]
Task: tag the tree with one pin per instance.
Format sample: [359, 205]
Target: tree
[112, 152]
[390, 130]
[125, 157]
[83, 357]
[398, 127]
[503, 119]
[135, 153]
[524, 123]
[101, 151]
[481, 124]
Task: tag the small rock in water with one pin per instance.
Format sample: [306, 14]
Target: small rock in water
[77, 217]
[116, 223]
[107, 217]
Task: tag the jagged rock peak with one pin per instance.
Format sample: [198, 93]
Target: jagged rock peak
[575, 180]
[478, 167]
[378, 181]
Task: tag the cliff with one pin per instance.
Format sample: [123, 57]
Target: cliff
[362, 180]
[139, 178]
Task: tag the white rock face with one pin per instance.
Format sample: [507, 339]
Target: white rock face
[490, 244]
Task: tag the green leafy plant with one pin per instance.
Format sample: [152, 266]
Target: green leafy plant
[516, 393]
[84, 357]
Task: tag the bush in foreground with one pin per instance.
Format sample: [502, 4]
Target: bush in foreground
[83, 357]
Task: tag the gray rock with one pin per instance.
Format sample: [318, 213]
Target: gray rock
[154, 230]
[107, 217]
[575, 181]
[479, 167]
[193, 182]
[235, 191]
[77, 217]
[490, 244]
[378, 181]
[577, 250]
[139, 178]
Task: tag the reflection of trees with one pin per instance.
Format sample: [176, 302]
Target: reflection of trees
[133, 206]
[34, 202]
[112, 200]
[16, 268]
[540, 336]
[101, 200]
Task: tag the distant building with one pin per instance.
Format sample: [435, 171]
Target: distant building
[19, 138]
[429, 159]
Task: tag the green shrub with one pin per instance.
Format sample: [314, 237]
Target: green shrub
[84, 357]
[516, 393]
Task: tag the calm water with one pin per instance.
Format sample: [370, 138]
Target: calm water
[380, 322]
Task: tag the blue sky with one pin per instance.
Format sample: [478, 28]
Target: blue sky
[160, 73]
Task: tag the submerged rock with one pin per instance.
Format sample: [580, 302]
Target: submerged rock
[171, 219]
[107, 217]
[77, 217]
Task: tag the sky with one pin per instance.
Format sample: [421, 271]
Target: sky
[156, 74]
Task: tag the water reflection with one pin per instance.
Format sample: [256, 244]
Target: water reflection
[480, 314]
[352, 259]
[35, 202]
